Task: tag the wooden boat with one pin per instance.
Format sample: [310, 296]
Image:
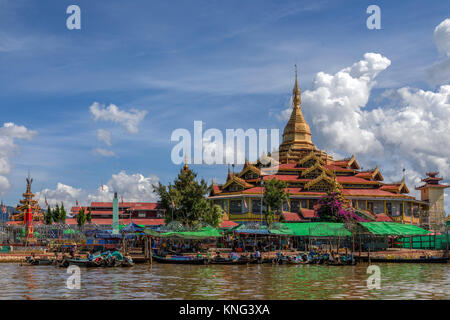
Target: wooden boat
[402, 260]
[180, 260]
[81, 263]
[39, 261]
[230, 261]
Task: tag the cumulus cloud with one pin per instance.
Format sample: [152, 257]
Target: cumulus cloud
[132, 187]
[336, 106]
[411, 130]
[103, 152]
[129, 120]
[439, 72]
[104, 136]
[9, 133]
[62, 194]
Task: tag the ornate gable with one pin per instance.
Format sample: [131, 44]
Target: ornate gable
[249, 172]
[236, 184]
[322, 183]
[314, 171]
[310, 160]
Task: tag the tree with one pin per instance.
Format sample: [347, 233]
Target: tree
[334, 208]
[48, 216]
[62, 214]
[89, 215]
[56, 213]
[213, 216]
[81, 217]
[274, 196]
[184, 200]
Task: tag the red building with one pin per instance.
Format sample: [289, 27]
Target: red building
[144, 213]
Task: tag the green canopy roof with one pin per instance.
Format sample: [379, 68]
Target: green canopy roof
[318, 229]
[393, 229]
[204, 233]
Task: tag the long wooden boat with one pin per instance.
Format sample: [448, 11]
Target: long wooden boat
[229, 261]
[404, 260]
[39, 262]
[180, 260]
[81, 263]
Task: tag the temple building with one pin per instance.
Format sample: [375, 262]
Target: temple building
[433, 193]
[310, 173]
[28, 200]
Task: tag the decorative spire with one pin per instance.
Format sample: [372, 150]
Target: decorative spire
[296, 91]
[186, 167]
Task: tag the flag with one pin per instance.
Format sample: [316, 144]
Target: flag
[122, 199]
[77, 203]
[173, 204]
[3, 207]
[102, 187]
[245, 204]
[46, 202]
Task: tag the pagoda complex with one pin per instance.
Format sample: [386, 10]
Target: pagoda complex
[311, 173]
[27, 202]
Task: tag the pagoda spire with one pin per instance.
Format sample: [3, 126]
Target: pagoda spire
[186, 167]
[297, 130]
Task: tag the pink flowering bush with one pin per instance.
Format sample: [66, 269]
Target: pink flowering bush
[332, 208]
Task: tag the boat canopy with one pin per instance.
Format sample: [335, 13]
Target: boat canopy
[393, 229]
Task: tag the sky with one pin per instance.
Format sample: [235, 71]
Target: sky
[97, 106]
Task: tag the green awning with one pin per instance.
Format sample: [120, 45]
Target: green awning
[318, 229]
[393, 229]
[203, 233]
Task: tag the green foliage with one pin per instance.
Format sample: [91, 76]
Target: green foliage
[81, 217]
[55, 213]
[274, 196]
[213, 216]
[48, 218]
[62, 214]
[89, 215]
[185, 200]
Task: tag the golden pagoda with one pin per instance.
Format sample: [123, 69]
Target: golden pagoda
[297, 141]
[28, 200]
[310, 174]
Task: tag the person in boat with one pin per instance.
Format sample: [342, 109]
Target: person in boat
[218, 256]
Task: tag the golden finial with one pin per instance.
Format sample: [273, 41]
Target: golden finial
[296, 90]
[186, 167]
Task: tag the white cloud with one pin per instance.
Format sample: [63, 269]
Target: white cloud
[62, 194]
[8, 134]
[439, 72]
[132, 187]
[336, 102]
[130, 120]
[104, 136]
[411, 131]
[103, 152]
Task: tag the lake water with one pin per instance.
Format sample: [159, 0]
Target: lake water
[159, 281]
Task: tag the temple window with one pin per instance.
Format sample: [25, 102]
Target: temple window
[236, 206]
[361, 204]
[389, 208]
[304, 203]
[295, 205]
[256, 205]
[378, 207]
[408, 209]
[370, 206]
[396, 208]
[312, 203]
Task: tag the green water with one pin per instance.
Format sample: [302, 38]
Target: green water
[159, 281]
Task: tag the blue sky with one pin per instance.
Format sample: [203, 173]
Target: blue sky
[227, 63]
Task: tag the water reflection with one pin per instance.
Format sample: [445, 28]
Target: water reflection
[398, 281]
